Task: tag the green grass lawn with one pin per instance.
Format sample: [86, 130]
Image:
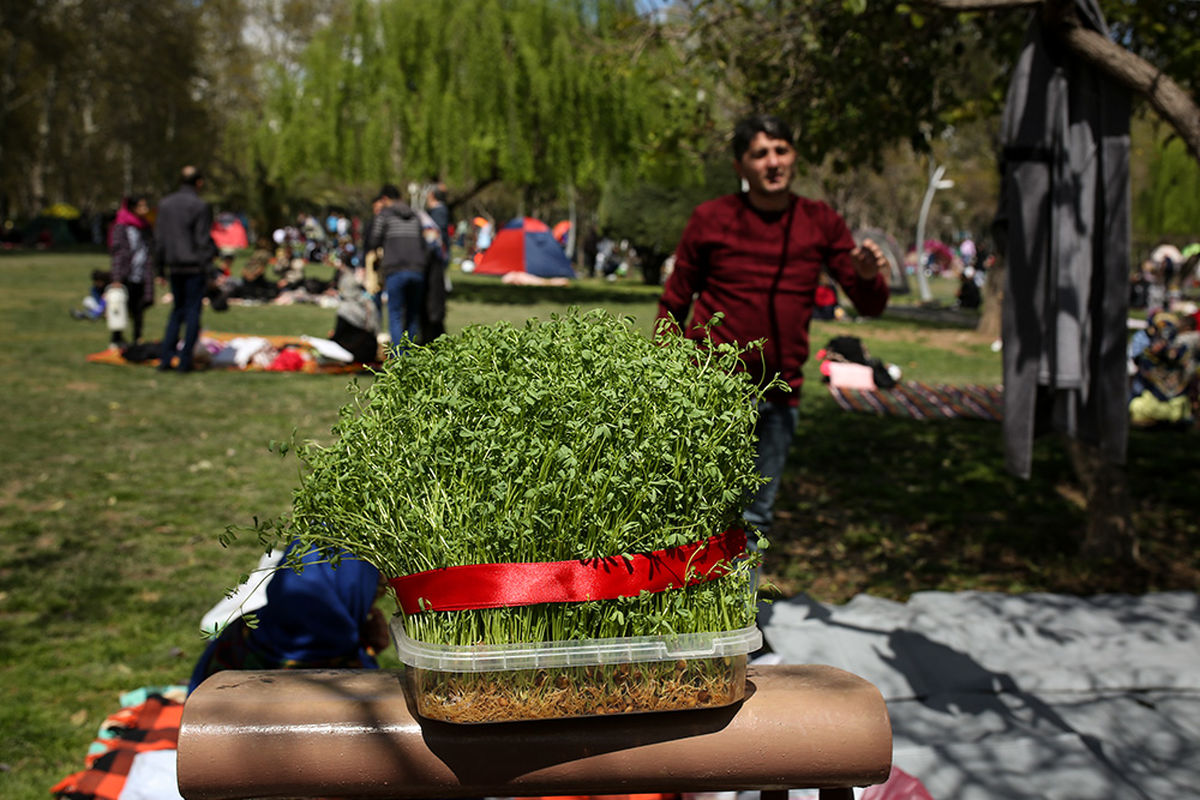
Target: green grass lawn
[118, 481]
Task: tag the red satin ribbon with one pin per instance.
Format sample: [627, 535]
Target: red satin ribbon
[523, 584]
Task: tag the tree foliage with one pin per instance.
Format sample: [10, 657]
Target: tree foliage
[856, 76]
[651, 214]
[97, 99]
[1164, 32]
[537, 93]
[1167, 199]
[321, 100]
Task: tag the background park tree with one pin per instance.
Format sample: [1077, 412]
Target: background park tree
[100, 100]
[544, 96]
[1167, 205]
[857, 75]
[97, 100]
[293, 102]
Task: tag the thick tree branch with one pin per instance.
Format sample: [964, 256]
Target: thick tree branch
[1168, 98]
[979, 5]
[453, 202]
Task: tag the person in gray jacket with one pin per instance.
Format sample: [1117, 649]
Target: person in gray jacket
[397, 229]
[184, 249]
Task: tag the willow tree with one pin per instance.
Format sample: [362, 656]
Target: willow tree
[539, 94]
[1168, 205]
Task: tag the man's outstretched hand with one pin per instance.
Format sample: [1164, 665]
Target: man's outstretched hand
[868, 260]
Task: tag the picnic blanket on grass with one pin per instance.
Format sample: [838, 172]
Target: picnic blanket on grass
[133, 755]
[925, 401]
[1008, 697]
[295, 353]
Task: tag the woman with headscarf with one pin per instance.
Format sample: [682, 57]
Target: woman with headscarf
[322, 617]
[131, 244]
[357, 325]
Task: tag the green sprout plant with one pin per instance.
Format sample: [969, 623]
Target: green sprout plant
[573, 438]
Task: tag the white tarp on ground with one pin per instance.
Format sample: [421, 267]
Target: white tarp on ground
[1019, 696]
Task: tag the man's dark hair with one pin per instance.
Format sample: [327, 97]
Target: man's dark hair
[191, 175]
[749, 127]
[439, 195]
[391, 191]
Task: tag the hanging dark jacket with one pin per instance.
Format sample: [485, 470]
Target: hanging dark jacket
[1064, 225]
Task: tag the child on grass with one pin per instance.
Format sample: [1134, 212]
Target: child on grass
[92, 307]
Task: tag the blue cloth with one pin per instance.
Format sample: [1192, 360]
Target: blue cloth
[406, 295]
[1137, 345]
[313, 618]
[97, 294]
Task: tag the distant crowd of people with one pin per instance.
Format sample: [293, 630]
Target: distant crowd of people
[1162, 279]
[398, 257]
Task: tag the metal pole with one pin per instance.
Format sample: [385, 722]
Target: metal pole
[922, 283]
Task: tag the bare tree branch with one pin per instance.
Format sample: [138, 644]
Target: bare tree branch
[453, 202]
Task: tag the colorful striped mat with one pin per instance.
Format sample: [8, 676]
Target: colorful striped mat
[925, 401]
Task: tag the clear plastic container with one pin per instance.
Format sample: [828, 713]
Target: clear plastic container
[583, 678]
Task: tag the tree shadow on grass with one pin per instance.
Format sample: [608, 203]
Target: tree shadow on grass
[934, 316]
[892, 506]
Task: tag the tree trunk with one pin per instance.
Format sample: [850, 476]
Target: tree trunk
[571, 218]
[126, 169]
[396, 151]
[1110, 533]
[269, 204]
[37, 175]
[993, 301]
[7, 81]
[169, 132]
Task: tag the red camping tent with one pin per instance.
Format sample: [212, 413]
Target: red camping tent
[525, 244]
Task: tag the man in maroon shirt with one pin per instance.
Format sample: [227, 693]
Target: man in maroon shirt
[757, 257]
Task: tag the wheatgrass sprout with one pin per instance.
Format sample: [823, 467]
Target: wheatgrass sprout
[571, 438]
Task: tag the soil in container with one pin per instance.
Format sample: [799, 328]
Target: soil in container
[582, 691]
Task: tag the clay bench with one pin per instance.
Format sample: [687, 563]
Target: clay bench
[352, 733]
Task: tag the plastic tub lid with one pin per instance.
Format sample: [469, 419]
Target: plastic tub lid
[581, 652]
